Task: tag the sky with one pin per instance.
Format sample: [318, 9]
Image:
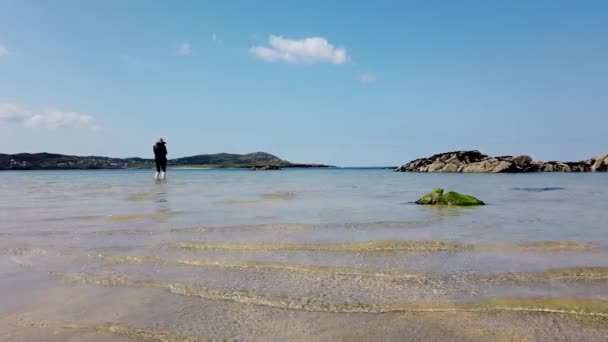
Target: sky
[350, 83]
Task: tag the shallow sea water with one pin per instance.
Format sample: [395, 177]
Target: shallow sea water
[334, 254]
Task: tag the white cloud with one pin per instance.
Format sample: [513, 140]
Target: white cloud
[308, 50]
[367, 78]
[4, 51]
[215, 39]
[183, 49]
[48, 118]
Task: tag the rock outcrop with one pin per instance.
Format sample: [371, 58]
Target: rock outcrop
[437, 197]
[476, 162]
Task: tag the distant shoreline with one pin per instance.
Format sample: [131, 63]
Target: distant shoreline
[51, 161]
[179, 167]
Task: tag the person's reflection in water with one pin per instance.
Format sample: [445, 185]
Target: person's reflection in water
[162, 198]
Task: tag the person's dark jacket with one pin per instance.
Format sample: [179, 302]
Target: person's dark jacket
[160, 151]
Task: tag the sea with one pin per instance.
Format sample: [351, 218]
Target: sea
[301, 254]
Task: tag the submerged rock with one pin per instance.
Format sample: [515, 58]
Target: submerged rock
[437, 197]
[538, 189]
[265, 168]
[476, 162]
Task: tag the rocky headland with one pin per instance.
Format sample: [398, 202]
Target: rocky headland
[477, 162]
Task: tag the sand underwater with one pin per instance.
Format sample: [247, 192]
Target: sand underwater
[294, 255]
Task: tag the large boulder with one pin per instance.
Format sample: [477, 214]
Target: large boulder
[600, 163]
[555, 166]
[437, 197]
[444, 162]
[524, 163]
[490, 165]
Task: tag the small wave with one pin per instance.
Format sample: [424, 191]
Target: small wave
[368, 246]
[392, 245]
[355, 271]
[583, 273]
[576, 306]
[270, 196]
[205, 228]
[539, 246]
[552, 274]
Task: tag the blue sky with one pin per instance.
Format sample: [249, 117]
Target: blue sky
[338, 82]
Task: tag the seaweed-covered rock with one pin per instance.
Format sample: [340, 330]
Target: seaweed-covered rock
[437, 197]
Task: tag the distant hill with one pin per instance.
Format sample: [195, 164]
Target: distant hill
[250, 159]
[51, 161]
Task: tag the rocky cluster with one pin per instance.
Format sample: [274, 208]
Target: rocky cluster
[476, 162]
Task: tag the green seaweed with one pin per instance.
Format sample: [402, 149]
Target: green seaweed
[437, 197]
[141, 197]
[556, 245]
[142, 216]
[278, 195]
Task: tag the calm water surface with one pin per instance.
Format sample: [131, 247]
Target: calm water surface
[300, 254]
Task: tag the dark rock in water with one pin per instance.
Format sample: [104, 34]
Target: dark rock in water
[538, 189]
[437, 197]
[265, 168]
[476, 162]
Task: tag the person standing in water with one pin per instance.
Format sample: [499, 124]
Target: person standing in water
[160, 157]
